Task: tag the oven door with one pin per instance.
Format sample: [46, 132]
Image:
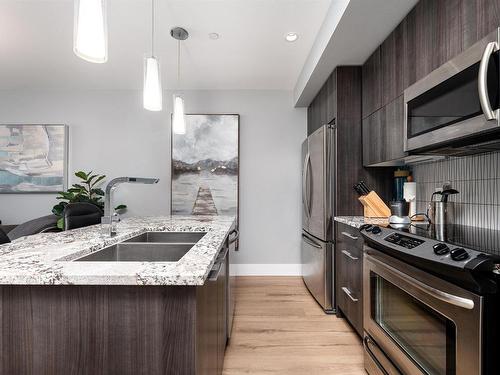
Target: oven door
[416, 323]
[458, 100]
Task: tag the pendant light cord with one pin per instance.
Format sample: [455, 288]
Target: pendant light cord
[178, 62]
[152, 28]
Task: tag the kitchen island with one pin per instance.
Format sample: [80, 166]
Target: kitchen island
[59, 315]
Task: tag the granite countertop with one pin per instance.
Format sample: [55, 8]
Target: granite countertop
[47, 258]
[357, 221]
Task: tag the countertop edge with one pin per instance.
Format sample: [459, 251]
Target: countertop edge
[48, 259]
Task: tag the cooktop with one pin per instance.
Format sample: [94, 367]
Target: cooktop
[466, 256]
[480, 239]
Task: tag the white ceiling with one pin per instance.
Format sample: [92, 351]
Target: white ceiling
[36, 38]
[350, 33]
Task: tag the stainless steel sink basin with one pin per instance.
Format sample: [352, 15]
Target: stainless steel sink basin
[168, 237]
[139, 252]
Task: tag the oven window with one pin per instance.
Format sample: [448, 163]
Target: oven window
[453, 100]
[427, 337]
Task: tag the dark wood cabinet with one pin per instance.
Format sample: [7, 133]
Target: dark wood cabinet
[392, 66]
[108, 329]
[349, 274]
[383, 135]
[207, 329]
[319, 112]
[222, 310]
[372, 83]
[233, 245]
[432, 33]
[213, 309]
[340, 101]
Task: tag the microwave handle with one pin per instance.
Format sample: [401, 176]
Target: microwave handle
[489, 114]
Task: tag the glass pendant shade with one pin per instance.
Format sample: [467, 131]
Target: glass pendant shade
[90, 39]
[152, 94]
[179, 118]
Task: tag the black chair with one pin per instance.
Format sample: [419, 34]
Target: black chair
[42, 224]
[81, 214]
[3, 237]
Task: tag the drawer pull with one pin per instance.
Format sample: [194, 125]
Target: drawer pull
[349, 255]
[349, 294]
[349, 235]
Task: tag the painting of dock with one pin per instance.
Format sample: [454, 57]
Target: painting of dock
[205, 166]
[33, 158]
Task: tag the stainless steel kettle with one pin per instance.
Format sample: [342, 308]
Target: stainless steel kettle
[440, 210]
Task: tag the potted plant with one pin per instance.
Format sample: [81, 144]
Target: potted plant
[87, 190]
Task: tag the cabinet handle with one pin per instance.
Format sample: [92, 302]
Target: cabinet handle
[350, 236]
[349, 255]
[237, 235]
[349, 294]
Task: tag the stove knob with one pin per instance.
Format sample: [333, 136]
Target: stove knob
[376, 230]
[441, 249]
[459, 254]
[366, 227]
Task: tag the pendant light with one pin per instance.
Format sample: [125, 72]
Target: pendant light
[90, 39]
[152, 93]
[179, 118]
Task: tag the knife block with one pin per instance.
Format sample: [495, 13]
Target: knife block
[374, 206]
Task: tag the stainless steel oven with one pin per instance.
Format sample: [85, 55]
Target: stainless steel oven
[416, 323]
[457, 104]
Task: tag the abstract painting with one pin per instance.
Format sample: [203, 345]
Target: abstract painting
[33, 158]
[205, 166]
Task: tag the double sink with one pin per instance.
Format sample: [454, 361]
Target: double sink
[147, 247]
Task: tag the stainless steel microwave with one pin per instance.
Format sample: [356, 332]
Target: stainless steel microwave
[455, 109]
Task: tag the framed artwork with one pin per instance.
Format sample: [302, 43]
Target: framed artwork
[33, 158]
[205, 166]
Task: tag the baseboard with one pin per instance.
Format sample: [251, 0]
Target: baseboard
[266, 269]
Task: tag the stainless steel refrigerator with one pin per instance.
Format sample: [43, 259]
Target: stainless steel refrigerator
[318, 192]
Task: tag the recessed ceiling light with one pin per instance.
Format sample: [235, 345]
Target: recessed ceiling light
[214, 36]
[291, 37]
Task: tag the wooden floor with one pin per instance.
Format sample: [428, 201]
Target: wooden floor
[279, 329]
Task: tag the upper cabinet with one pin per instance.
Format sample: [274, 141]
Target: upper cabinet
[322, 109]
[372, 84]
[339, 103]
[430, 35]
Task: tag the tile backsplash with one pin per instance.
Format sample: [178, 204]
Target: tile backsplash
[476, 177]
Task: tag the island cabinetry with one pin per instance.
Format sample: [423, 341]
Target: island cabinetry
[114, 330]
[212, 317]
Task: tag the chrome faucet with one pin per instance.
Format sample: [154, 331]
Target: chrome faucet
[112, 218]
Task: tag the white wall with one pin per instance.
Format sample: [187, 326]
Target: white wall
[111, 134]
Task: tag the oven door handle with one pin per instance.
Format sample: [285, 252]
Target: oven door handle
[482, 82]
[436, 293]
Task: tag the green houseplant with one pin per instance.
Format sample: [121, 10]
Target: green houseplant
[87, 190]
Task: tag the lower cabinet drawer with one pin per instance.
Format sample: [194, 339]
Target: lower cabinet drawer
[351, 305]
[349, 276]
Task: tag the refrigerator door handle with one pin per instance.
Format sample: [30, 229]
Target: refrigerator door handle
[305, 198]
[311, 242]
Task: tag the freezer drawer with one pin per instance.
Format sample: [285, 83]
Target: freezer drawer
[317, 269]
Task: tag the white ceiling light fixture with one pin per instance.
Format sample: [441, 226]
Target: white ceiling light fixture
[179, 118]
[214, 36]
[291, 37]
[152, 92]
[90, 35]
